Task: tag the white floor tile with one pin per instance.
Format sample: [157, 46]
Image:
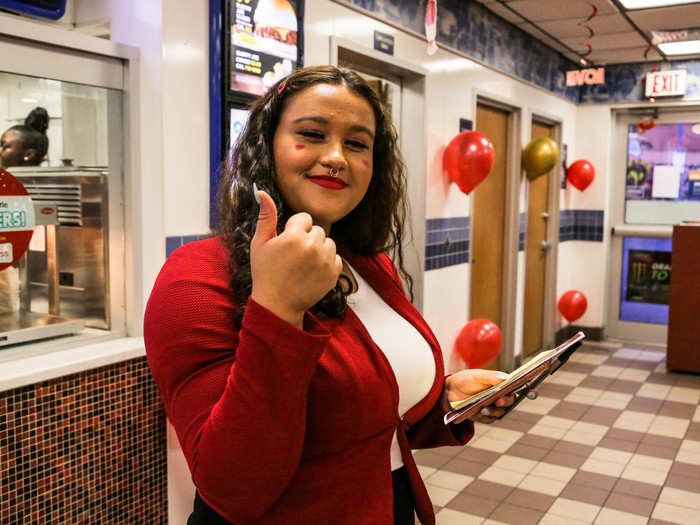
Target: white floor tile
[439, 495]
[682, 498]
[607, 371]
[654, 477]
[635, 421]
[492, 445]
[676, 514]
[557, 422]
[617, 517]
[613, 456]
[547, 431]
[668, 426]
[654, 390]
[551, 487]
[567, 378]
[568, 508]
[684, 395]
[541, 405]
[425, 471]
[553, 519]
[602, 467]
[515, 464]
[450, 480]
[453, 517]
[634, 374]
[650, 463]
[548, 470]
[502, 476]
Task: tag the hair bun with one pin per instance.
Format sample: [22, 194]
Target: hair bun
[38, 119]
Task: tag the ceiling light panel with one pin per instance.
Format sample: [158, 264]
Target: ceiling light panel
[689, 47]
[645, 4]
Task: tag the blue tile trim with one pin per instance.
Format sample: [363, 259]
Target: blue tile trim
[447, 242]
[581, 225]
[173, 242]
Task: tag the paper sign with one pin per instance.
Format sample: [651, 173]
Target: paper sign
[16, 219]
[666, 182]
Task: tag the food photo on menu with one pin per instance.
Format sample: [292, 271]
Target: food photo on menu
[264, 39]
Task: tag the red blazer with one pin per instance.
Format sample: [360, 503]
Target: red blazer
[279, 425]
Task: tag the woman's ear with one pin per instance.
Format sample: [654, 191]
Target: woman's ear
[31, 157]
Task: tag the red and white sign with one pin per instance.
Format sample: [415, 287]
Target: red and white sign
[666, 83]
[16, 219]
[592, 75]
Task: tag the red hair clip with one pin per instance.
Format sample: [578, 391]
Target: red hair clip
[281, 87]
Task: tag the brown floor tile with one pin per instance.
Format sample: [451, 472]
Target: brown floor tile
[488, 489]
[660, 522]
[644, 365]
[569, 447]
[554, 390]
[427, 458]
[622, 362]
[688, 380]
[507, 513]
[449, 452]
[601, 416]
[524, 416]
[569, 410]
[462, 466]
[675, 481]
[661, 379]
[530, 499]
[661, 441]
[564, 460]
[478, 455]
[585, 494]
[685, 469]
[656, 452]
[645, 404]
[675, 409]
[471, 504]
[624, 387]
[580, 368]
[627, 503]
[598, 382]
[693, 431]
[626, 435]
[527, 452]
[513, 424]
[618, 444]
[537, 441]
[591, 479]
[637, 488]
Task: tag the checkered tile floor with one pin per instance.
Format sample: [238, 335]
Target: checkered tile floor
[613, 438]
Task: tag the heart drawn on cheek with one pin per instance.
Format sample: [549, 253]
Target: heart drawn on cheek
[299, 146]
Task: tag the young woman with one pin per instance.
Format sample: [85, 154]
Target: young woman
[26, 144]
[295, 370]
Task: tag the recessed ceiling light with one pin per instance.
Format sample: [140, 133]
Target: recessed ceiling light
[689, 47]
[29, 100]
[643, 4]
[696, 129]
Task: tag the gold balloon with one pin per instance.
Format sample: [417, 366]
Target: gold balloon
[540, 156]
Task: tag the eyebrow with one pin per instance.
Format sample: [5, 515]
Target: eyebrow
[321, 120]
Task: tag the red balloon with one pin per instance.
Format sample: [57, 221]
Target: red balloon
[572, 305]
[478, 342]
[581, 174]
[468, 158]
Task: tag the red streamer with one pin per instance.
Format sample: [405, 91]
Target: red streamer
[591, 33]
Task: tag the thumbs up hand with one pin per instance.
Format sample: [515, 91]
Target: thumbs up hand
[292, 271]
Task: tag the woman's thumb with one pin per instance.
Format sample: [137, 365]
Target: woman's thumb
[266, 228]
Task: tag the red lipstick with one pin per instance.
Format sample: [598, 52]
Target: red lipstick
[332, 183]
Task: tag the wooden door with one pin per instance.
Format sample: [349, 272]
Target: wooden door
[488, 223]
[536, 253]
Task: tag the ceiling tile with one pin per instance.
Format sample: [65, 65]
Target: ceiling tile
[540, 10]
[505, 13]
[625, 55]
[610, 41]
[601, 25]
[667, 18]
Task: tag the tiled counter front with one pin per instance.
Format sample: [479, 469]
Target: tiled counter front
[84, 449]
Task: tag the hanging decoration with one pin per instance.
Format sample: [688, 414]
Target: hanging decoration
[591, 33]
[580, 174]
[431, 25]
[645, 124]
[479, 342]
[468, 158]
[539, 156]
[572, 305]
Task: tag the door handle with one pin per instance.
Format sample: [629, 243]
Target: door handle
[545, 245]
[545, 215]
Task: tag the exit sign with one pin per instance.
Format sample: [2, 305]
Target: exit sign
[666, 83]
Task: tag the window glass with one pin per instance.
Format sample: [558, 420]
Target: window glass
[57, 142]
[663, 174]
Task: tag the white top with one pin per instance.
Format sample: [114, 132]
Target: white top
[405, 348]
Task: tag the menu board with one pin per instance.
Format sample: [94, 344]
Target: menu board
[265, 39]
[649, 276]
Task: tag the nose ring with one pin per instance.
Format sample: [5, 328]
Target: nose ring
[333, 172]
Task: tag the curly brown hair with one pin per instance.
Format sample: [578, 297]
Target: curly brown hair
[375, 225]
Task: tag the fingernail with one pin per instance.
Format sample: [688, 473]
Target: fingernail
[256, 194]
[502, 376]
[531, 395]
[485, 412]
